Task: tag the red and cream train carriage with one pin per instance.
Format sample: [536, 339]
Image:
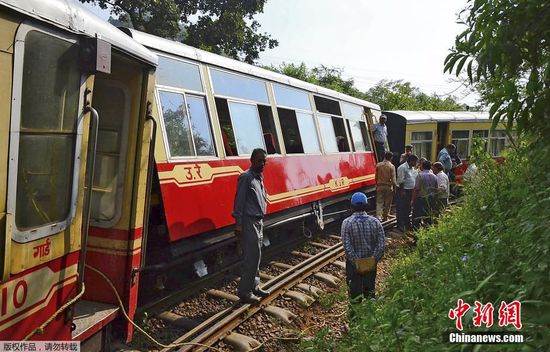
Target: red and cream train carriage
[213, 111]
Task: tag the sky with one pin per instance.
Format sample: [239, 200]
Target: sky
[370, 40]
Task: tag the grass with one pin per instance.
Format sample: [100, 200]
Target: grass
[494, 247]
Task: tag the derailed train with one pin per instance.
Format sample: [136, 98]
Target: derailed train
[119, 153]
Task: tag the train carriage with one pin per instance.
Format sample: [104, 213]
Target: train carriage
[67, 203]
[429, 131]
[212, 111]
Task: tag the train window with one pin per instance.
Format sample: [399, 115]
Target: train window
[299, 132]
[176, 124]
[46, 133]
[497, 142]
[358, 136]
[341, 135]
[352, 111]
[461, 139]
[328, 134]
[290, 97]
[291, 131]
[308, 133]
[186, 123]
[232, 85]
[482, 134]
[422, 144]
[176, 73]
[268, 129]
[327, 106]
[113, 102]
[228, 137]
[202, 132]
[246, 127]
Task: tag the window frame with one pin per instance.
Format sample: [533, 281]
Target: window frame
[238, 101]
[277, 105]
[235, 73]
[423, 141]
[122, 162]
[492, 138]
[184, 92]
[48, 229]
[177, 58]
[324, 149]
[462, 139]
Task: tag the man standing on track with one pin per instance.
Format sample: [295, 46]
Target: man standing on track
[444, 157]
[424, 195]
[248, 211]
[385, 184]
[380, 132]
[405, 180]
[363, 241]
[443, 189]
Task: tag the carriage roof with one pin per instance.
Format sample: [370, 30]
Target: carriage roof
[72, 16]
[189, 52]
[441, 116]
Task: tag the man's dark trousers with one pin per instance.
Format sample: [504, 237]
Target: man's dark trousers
[404, 209]
[380, 150]
[251, 245]
[359, 284]
[422, 211]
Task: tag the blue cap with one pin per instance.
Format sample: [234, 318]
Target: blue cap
[359, 198]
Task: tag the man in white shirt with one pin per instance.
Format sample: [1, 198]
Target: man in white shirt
[380, 132]
[406, 176]
[442, 187]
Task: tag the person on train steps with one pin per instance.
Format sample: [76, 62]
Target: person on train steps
[363, 241]
[385, 185]
[248, 210]
[380, 132]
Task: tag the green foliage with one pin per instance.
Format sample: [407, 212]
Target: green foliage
[390, 95]
[494, 247]
[506, 54]
[399, 95]
[222, 27]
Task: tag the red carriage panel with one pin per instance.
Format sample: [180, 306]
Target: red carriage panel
[198, 196]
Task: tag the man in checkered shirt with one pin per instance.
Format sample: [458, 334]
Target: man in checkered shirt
[362, 237]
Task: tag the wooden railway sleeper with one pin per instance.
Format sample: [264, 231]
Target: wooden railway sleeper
[327, 278]
[280, 313]
[241, 343]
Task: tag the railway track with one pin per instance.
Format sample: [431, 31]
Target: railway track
[290, 283]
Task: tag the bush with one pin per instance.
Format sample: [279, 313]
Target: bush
[494, 247]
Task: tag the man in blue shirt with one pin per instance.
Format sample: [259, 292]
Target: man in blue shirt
[248, 211]
[444, 157]
[362, 237]
[406, 176]
[380, 132]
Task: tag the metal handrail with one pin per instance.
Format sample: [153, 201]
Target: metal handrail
[90, 170]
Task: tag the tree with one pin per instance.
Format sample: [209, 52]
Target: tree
[505, 52]
[222, 27]
[399, 95]
[390, 95]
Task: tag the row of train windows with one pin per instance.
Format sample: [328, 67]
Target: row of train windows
[495, 142]
[249, 123]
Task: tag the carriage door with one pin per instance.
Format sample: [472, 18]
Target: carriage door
[442, 131]
[114, 239]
